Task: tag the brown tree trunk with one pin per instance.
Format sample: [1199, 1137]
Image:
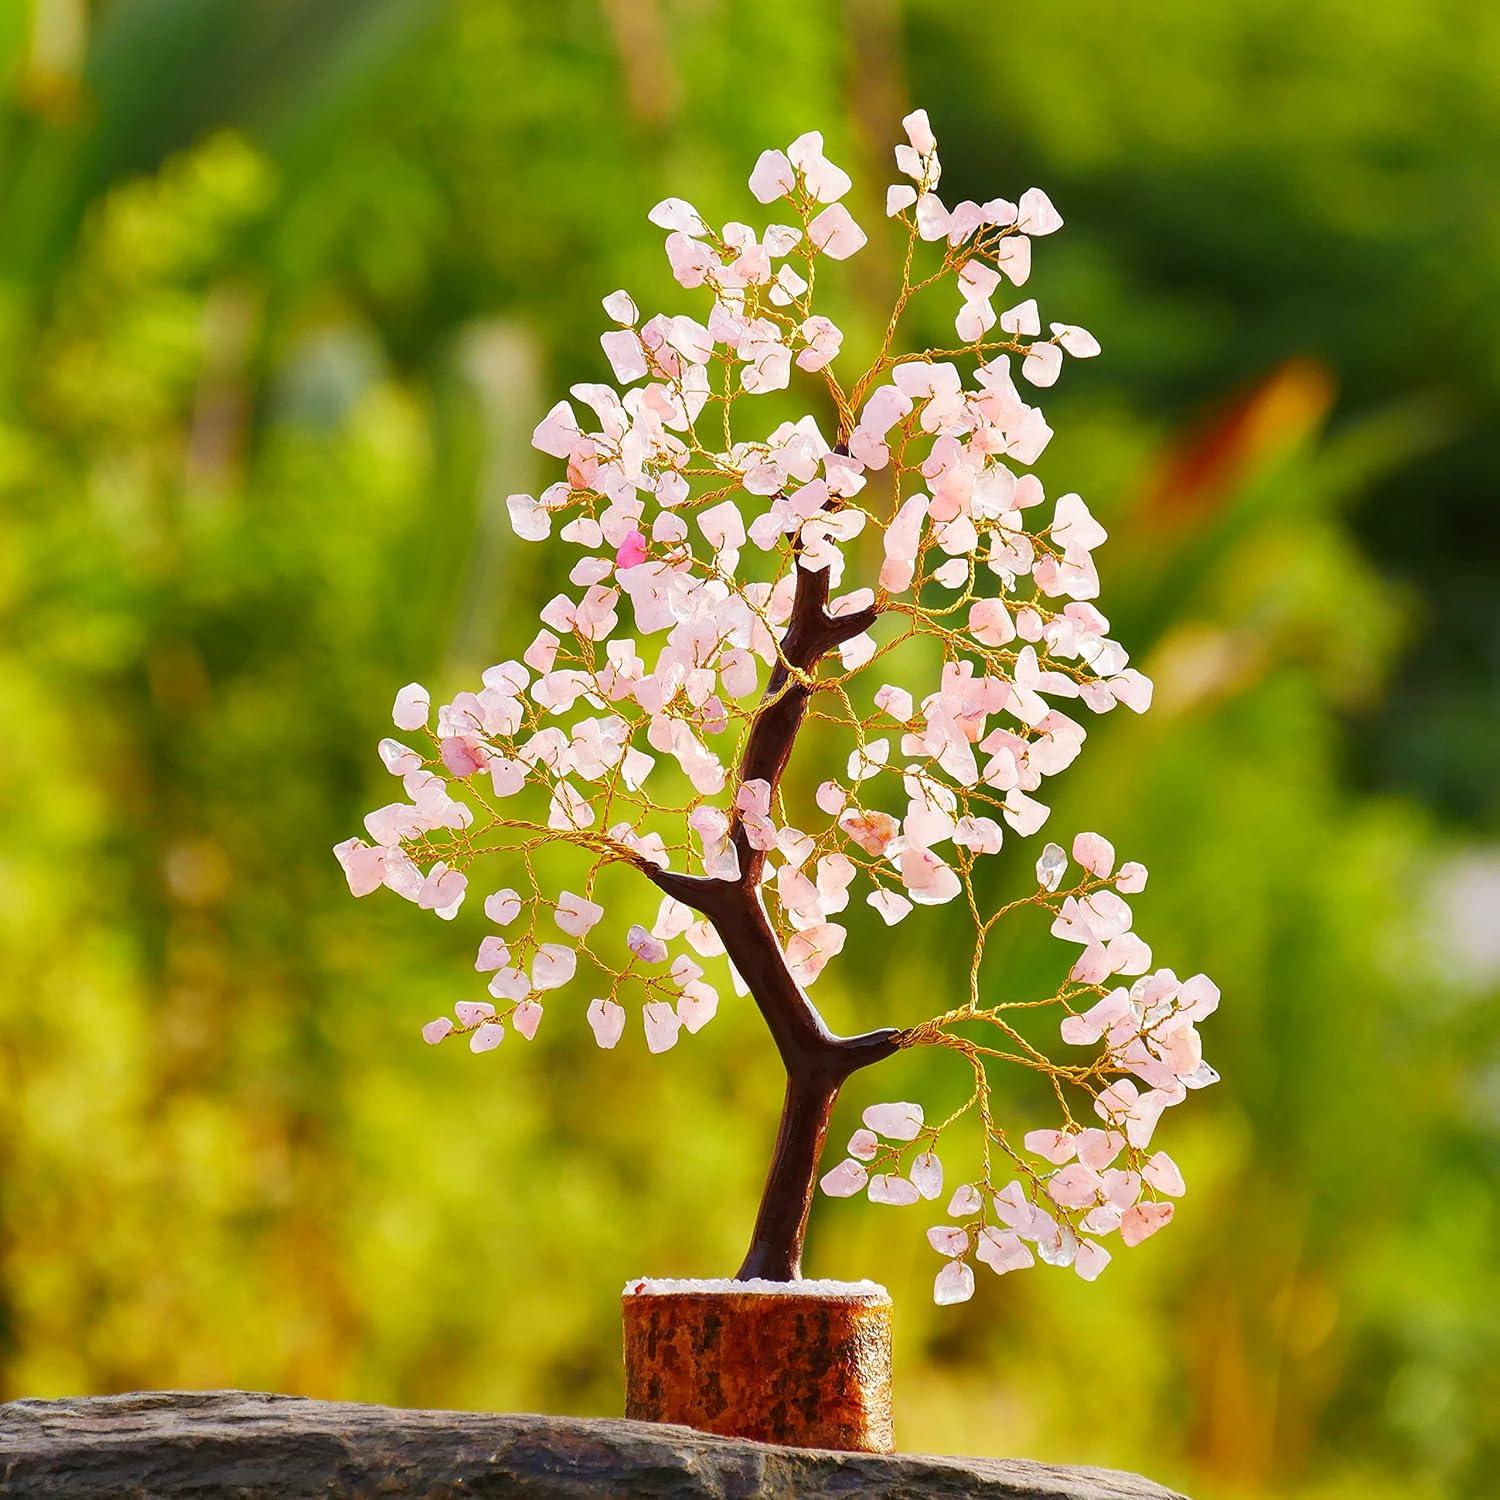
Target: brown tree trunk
[775, 1252]
[816, 1060]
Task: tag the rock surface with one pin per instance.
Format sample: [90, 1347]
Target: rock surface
[234, 1443]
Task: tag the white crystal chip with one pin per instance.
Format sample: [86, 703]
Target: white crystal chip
[954, 1283]
[886, 1187]
[896, 1122]
[1050, 867]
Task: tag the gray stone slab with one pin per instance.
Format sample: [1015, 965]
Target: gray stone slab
[244, 1444]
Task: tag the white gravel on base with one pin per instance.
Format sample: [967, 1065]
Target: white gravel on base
[864, 1291]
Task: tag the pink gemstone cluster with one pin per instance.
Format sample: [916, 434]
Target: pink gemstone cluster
[621, 729]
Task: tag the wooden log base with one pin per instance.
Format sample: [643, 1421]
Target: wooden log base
[803, 1364]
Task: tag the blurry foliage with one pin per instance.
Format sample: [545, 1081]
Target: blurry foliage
[283, 288]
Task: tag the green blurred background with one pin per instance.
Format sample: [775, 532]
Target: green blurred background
[284, 285]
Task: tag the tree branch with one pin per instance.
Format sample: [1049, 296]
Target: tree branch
[810, 635]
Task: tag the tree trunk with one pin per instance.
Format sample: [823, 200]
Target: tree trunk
[775, 1252]
[816, 1060]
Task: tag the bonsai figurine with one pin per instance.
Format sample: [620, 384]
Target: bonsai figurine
[880, 583]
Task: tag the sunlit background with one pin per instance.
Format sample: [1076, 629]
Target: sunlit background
[284, 285]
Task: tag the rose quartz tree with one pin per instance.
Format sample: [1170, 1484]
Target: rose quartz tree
[650, 722]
